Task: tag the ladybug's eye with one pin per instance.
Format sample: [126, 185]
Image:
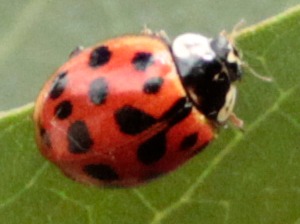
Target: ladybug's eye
[221, 47]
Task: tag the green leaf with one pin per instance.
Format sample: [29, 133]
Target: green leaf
[243, 177]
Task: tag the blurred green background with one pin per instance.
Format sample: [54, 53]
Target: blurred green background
[36, 36]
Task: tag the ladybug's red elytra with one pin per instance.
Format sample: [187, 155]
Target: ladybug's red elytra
[135, 107]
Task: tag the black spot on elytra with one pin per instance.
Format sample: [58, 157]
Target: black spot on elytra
[101, 172]
[178, 111]
[189, 141]
[98, 91]
[132, 120]
[63, 109]
[58, 85]
[79, 138]
[153, 85]
[153, 149]
[45, 137]
[142, 60]
[100, 56]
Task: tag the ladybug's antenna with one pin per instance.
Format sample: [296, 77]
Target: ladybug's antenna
[231, 37]
[254, 73]
[234, 32]
[237, 27]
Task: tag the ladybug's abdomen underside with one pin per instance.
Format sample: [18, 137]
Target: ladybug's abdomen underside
[117, 114]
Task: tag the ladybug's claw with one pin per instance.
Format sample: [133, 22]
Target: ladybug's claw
[161, 34]
[76, 51]
[236, 121]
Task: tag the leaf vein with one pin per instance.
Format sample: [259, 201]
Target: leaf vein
[290, 119]
[187, 195]
[26, 187]
[65, 197]
[144, 201]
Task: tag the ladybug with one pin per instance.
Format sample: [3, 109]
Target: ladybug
[135, 107]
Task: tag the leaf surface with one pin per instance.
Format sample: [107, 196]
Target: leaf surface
[242, 177]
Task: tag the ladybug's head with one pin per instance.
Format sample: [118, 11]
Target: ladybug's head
[208, 68]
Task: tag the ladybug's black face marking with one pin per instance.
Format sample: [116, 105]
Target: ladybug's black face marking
[153, 85]
[98, 91]
[63, 110]
[101, 172]
[234, 71]
[79, 138]
[153, 149]
[213, 90]
[133, 121]
[58, 85]
[208, 86]
[208, 68]
[100, 56]
[142, 60]
[189, 141]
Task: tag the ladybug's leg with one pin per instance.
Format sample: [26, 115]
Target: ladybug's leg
[147, 31]
[236, 121]
[163, 35]
[160, 34]
[76, 51]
